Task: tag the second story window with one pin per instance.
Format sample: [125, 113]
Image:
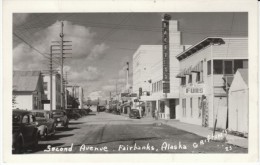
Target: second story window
[183, 81]
[209, 67]
[190, 78]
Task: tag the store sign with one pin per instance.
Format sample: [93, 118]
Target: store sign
[194, 90]
[166, 53]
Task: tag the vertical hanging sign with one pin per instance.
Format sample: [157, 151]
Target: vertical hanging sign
[166, 53]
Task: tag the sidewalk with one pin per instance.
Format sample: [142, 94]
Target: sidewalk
[205, 132]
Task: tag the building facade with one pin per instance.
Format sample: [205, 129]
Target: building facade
[28, 90]
[149, 76]
[56, 91]
[206, 72]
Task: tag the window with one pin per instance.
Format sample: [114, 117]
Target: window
[201, 71]
[218, 66]
[183, 107]
[190, 78]
[191, 107]
[228, 67]
[45, 86]
[183, 81]
[25, 119]
[199, 106]
[238, 64]
[209, 67]
[198, 77]
[245, 63]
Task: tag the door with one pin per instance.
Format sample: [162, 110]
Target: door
[172, 109]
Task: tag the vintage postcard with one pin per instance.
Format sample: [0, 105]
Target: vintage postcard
[148, 81]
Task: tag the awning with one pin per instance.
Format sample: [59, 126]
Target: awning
[197, 68]
[181, 75]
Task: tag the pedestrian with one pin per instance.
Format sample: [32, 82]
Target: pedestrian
[156, 114]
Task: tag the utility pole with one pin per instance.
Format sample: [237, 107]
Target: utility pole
[65, 84]
[51, 78]
[61, 53]
[61, 58]
[127, 76]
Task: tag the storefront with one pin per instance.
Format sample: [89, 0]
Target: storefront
[207, 70]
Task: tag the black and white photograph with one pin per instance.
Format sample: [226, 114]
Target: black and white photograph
[158, 82]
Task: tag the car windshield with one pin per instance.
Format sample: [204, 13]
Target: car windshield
[16, 118]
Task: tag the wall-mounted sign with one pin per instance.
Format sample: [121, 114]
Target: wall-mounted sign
[166, 52]
[194, 90]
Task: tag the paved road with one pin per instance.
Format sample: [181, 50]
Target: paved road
[108, 133]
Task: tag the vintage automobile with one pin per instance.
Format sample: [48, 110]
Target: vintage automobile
[25, 131]
[45, 123]
[72, 114]
[61, 118]
[134, 113]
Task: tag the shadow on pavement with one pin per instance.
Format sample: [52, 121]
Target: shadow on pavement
[59, 136]
[66, 129]
[42, 147]
[91, 114]
[75, 123]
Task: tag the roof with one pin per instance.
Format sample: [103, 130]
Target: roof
[244, 74]
[25, 80]
[202, 44]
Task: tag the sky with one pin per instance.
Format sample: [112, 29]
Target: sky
[102, 43]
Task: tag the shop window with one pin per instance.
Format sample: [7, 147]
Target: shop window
[184, 107]
[162, 106]
[228, 67]
[199, 106]
[183, 81]
[209, 67]
[191, 107]
[218, 66]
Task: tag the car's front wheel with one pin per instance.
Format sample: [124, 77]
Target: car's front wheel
[18, 147]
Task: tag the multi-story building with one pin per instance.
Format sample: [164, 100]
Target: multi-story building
[206, 71]
[148, 75]
[56, 91]
[28, 90]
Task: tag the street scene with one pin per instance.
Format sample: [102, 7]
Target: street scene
[91, 83]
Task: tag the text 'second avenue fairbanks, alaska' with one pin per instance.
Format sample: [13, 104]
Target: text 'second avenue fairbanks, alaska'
[130, 83]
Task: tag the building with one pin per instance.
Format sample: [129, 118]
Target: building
[75, 96]
[206, 71]
[28, 90]
[56, 91]
[238, 102]
[148, 65]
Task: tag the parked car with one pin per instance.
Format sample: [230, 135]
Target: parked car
[134, 113]
[61, 118]
[72, 114]
[45, 123]
[25, 131]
